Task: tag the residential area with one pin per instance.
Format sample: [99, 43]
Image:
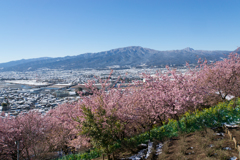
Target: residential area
[45, 89]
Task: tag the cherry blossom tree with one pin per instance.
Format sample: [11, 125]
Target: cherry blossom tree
[36, 134]
[221, 77]
[111, 114]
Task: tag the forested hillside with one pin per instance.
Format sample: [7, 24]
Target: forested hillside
[133, 56]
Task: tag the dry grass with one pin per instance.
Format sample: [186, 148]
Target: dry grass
[165, 148]
[200, 145]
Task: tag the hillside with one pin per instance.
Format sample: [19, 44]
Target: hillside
[112, 118]
[199, 138]
[133, 56]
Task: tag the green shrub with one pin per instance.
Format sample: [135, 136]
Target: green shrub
[224, 112]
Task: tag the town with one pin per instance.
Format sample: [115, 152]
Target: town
[45, 89]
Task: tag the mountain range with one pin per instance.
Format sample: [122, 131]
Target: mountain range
[133, 56]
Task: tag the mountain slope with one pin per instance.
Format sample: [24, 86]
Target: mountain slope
[22, 61]
[129, 56]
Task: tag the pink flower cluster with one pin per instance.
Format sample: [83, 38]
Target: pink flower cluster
[138, 107]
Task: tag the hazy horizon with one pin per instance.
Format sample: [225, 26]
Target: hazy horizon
[109, 50]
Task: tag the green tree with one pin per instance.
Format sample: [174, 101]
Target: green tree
[102, 129]
[4, 106]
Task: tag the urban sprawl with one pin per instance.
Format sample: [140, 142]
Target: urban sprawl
[45, 89]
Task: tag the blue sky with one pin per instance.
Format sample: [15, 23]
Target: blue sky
[56, 28]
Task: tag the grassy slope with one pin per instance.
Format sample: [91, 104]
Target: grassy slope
[190, 122]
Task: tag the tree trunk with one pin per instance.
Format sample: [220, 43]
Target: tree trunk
[235, 103]
[108, 156]
[186, 124]
[113, 156]
[27, 154]
[149, 134]
[179, 124]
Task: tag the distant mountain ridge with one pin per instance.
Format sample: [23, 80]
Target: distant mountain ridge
[17, 62]
[133, 56]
